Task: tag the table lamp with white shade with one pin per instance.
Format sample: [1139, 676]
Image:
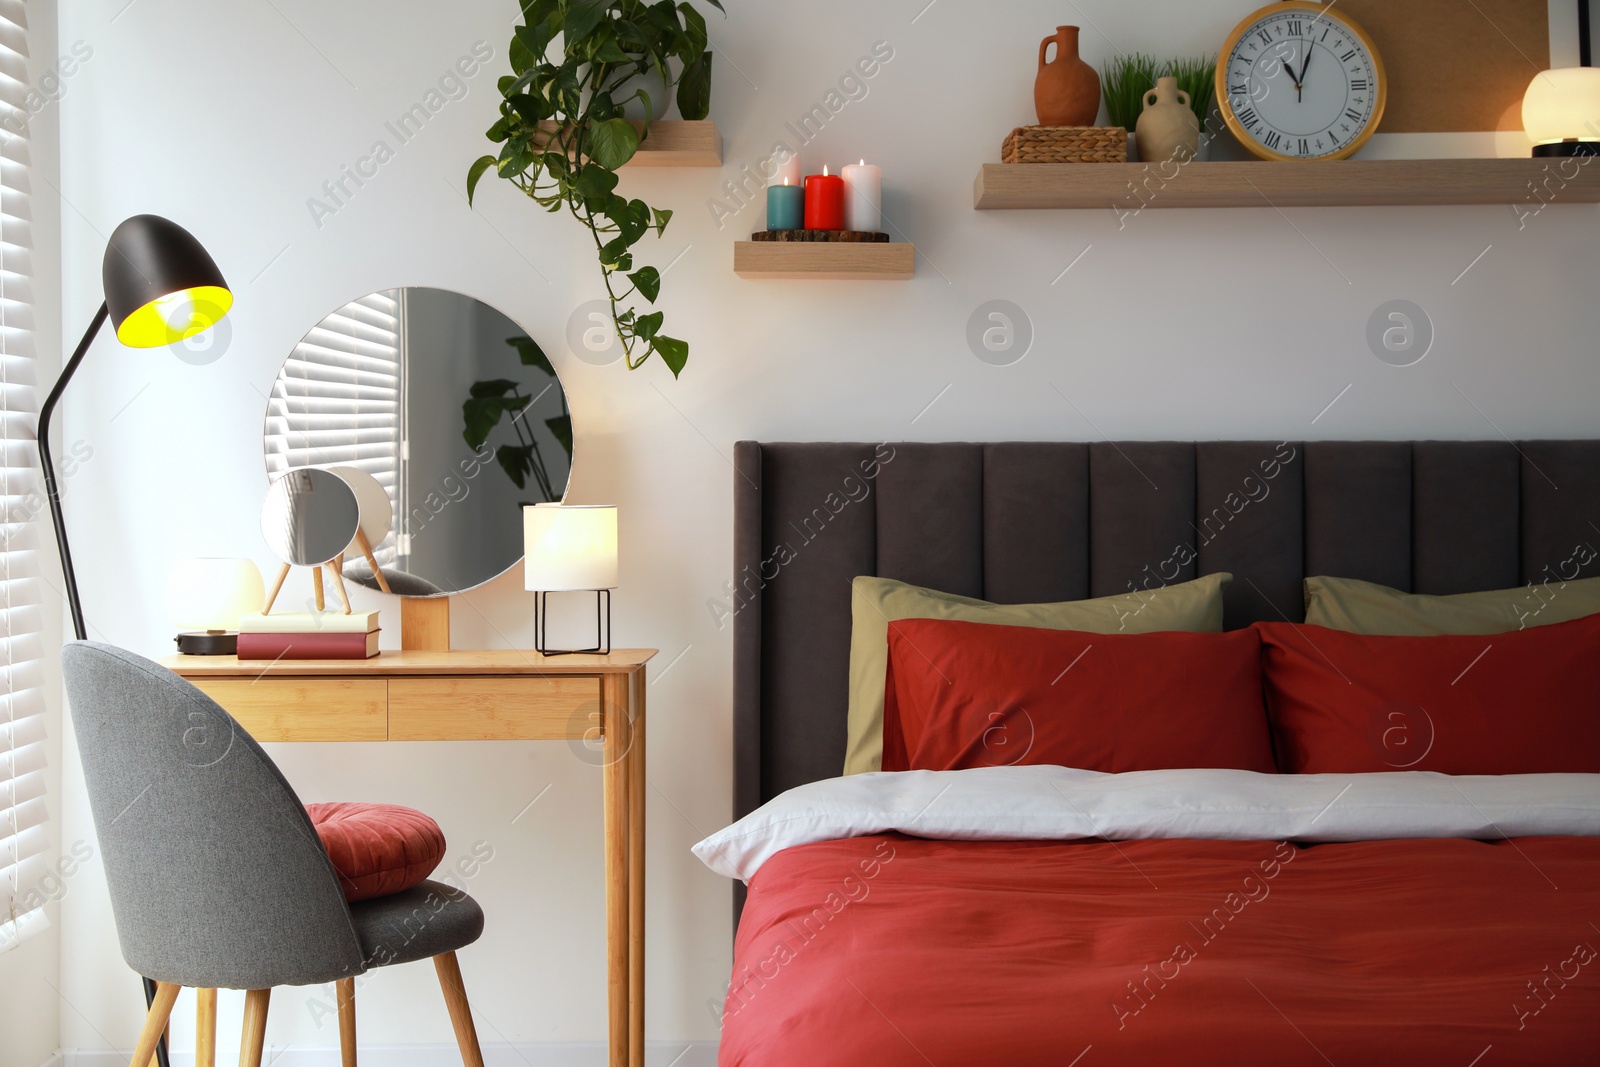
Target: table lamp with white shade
[1561, 109]
[570, 549]
[205, 598]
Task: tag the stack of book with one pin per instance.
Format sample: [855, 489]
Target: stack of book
[309, 635]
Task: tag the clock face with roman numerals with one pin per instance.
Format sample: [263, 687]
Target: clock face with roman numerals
[1298, 81]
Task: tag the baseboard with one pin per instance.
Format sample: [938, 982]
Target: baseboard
[575, 1054]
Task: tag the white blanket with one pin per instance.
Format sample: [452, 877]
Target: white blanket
[1063, 804]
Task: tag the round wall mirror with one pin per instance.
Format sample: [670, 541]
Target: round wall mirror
[451, 407]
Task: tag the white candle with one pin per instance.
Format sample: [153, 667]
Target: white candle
[863, 203]
[788, 169]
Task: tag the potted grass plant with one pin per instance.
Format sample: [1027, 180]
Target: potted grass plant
[1130, 75]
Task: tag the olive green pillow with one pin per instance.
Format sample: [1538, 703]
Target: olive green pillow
[1195, 607]
[1368, 608]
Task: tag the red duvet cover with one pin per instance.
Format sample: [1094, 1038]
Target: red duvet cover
[891, 950]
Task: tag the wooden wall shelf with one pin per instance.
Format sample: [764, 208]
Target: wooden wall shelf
[673, 143]
[1342, 183]
[679, 143]
[825, 261]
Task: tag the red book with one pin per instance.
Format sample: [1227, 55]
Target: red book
[308, 646]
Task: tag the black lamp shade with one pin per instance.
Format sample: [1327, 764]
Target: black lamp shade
[161, 285]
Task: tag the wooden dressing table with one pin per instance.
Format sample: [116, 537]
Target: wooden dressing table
[506, 695]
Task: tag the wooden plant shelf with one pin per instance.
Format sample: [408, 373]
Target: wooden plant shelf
[679, 143]
[674, 143]
[1531, 183]
[825, 261]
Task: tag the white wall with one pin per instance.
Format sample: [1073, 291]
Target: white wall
[1205, 324]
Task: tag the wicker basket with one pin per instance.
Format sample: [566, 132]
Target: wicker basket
[1066, 144]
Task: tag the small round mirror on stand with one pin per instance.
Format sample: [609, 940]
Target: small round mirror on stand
[307, 519]
[450, 408]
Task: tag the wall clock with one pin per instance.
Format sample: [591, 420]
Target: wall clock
[1301, 81]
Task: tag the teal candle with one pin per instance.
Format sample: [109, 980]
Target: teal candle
[786, 207]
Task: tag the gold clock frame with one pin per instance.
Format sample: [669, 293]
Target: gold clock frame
[1319, 11]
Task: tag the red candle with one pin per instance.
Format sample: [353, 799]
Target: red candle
[824, 201]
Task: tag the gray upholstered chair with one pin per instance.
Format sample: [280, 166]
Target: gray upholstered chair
[218, 878]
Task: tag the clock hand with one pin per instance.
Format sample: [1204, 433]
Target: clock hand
[1305, 65]
[1290, 71]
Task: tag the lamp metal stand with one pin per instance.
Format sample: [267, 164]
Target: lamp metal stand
[602, 623]
[53, 492]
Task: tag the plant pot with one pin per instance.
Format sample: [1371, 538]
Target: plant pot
[1168, 128]
[1066, 91]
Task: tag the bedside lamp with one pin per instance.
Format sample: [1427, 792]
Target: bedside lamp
[1561, 112]
[570, 549]
[205, 598]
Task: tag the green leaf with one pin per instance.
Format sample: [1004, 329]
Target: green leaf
[535, 37]
[694, 88]
[480, 415]
[531, 108]
[694, 32]
[475, 172]
[662, 217]
[561, 427]
[594, 181]
[612, 142]
[513, 160]
[499, 387]
[531, 354]
[516, 462]
[583, 18]
[500, 130]
[648, 281]
[611, 52]
[674, 353]
[612, 251]
[648, 326]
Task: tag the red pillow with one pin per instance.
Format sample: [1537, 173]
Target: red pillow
[962, 694]
[377, 849]
[1524, 702]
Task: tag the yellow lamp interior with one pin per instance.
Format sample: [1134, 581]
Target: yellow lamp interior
[169, 319]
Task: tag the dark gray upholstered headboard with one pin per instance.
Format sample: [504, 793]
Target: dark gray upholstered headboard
[1024, 523]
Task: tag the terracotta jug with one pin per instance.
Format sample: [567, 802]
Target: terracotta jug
[1067, 90]
[1168, 127]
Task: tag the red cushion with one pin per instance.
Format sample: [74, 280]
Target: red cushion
[963, 694]
[1524, 702]
[378, 849]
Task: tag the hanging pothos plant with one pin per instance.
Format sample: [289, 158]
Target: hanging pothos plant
[564, 133]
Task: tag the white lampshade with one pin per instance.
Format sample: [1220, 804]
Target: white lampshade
[1563, 104]
[211, 594]
[569, 548]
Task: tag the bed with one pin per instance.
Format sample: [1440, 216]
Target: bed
[1466, 937]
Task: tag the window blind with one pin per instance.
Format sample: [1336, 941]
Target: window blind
[24, 818]
[337, 401]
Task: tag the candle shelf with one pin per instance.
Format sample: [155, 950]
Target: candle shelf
[869, 257]
[820, 237]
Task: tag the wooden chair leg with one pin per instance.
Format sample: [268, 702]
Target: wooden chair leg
[205, 1028]
[255, 1027]
[455, 998]
[345, 989]
[155, 1023]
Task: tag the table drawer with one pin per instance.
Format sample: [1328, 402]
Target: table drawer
[492, 708]
[305, 709]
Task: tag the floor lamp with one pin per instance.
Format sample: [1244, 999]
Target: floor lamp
[161, 287]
